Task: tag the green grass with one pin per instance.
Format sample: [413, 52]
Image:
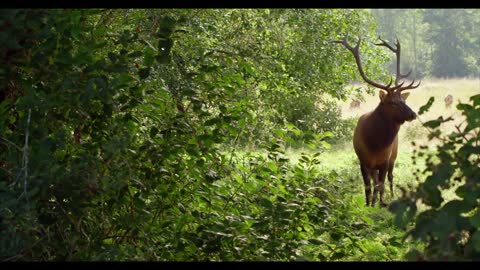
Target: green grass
[344, 162]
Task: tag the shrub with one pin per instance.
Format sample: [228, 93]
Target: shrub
[449, 229]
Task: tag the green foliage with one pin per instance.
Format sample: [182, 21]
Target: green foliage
[120, 130]
[427, 106]
[316, 117]
[450, 229]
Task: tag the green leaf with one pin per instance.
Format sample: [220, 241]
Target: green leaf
[144, 73]
[476, 240]
[367, 220]
[211, 122]
[163, 58]
[237, 178]
[423, 109]
[266, 203]
[112, 57]
[325, 144]
[432, 123]
[433, 196]
[153, 132]
[338, 255]
[327, 134]
[135, 54]
[476, 100]
[316, 242]
[443, 224]
[475, 220]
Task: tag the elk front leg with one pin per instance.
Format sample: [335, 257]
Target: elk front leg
[366, 181]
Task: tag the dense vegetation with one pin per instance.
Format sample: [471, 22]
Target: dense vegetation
[164, 135]
[450, 228]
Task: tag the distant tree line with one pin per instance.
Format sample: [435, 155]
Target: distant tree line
[437, 42]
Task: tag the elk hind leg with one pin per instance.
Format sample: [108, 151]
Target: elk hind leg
[366, 181]
[374, 174]
[382, 173]
[390, 179]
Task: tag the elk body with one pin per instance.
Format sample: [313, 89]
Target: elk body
[448, 101]
[375, 139]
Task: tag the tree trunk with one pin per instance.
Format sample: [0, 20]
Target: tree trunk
[414, 44]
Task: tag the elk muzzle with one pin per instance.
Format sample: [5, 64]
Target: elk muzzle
[411, 115]
[405, 114]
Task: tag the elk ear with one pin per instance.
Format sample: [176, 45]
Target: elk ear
[382, 95]
[405, 95]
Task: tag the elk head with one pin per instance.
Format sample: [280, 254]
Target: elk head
[392, 100]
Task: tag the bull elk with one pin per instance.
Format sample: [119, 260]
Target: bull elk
[375, 139]
[448, 101]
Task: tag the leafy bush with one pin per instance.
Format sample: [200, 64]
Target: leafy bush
[449, 229]
[113, 126]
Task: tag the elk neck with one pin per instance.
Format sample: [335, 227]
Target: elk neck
[380, 129]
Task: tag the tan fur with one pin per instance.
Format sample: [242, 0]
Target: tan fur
[448, 101]
[354, 104]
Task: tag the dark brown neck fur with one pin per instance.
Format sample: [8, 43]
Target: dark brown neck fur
[380, 130]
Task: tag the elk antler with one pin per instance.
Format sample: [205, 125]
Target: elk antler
[399, 76]
[398, 86]
[356, 54]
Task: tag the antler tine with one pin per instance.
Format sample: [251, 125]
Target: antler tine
[344, 41]
[397, 53]
[358, 45]
[397, 86]
[403, 76]
[400, 76]
[416, 86]
[396, 50]
[390, 83]
[385, 44]
[409, 87]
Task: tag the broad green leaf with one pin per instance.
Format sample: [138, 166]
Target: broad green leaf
[424, 108]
